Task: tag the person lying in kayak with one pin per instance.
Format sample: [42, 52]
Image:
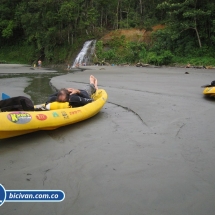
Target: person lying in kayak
[76, 97]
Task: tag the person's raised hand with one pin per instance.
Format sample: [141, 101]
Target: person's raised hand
[70, 90]
[75, 91]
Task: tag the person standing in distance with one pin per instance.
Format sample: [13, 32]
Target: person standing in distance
[39, 64]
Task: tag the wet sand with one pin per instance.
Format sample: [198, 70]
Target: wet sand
[150, 150]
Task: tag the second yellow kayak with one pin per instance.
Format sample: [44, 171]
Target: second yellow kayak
[209, 91]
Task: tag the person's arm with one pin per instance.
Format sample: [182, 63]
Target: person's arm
[52, 98]
[73, 91]
[77, 101]
[55, 94]
[80, 93]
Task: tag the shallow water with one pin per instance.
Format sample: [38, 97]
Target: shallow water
[39, 87]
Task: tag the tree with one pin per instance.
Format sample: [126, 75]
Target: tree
[185, 15]
[7, 22]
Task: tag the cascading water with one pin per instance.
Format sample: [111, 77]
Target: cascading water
[86, 53]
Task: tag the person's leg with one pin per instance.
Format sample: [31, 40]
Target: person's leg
[90, 89]
[86, 93]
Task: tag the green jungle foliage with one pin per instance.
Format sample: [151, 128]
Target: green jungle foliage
[119, 51]
[53, 30]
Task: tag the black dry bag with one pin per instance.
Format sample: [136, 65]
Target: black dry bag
[19, 103]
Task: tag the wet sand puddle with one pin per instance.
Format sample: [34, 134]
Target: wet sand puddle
[39, 87]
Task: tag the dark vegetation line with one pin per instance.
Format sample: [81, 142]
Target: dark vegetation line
[54, 31]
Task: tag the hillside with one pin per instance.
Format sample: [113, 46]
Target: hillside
[132, 35]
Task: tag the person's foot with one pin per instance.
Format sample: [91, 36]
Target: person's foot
[94, 81]
[91, 79]
[96, 84]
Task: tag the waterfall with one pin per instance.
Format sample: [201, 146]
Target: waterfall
[86, 53]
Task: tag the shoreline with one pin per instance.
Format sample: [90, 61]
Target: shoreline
[22, 68]
[64, 67]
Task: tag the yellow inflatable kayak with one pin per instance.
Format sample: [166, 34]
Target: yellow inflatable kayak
[22, 122]
[209, 91]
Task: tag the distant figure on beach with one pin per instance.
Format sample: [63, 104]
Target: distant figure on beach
[76, 97]
[188, 65]
[39, 63]
[68, 67]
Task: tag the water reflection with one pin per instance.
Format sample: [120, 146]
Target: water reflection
[39, 88]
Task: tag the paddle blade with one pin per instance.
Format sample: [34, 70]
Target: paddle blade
[4, 96]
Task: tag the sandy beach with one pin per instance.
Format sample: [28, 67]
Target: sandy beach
[149, 151]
